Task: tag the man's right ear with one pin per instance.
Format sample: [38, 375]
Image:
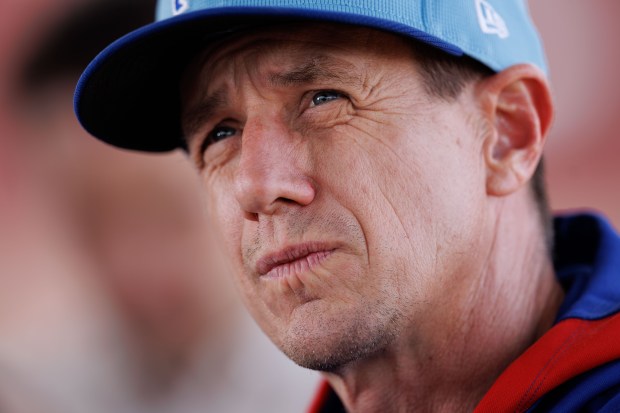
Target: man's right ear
[517, 108]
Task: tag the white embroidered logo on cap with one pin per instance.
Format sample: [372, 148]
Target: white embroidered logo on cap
[490, 21]
[179, 6]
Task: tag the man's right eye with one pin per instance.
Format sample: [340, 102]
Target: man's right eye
[220, 133]
[216, 135]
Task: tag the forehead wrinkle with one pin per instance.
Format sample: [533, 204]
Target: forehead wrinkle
[318, 69]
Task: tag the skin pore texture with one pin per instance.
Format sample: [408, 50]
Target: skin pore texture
[377, 233]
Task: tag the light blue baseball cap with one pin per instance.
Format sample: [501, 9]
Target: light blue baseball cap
[129, 95]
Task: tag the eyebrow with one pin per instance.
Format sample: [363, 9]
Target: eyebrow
[319, 69]
[193, 119]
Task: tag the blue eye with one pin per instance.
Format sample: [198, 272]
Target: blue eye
[217, 135]
[220, 133]
[325, 96]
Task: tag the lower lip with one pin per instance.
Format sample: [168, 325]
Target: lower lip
[299, 266]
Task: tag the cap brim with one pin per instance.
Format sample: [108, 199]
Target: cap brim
[129, 95]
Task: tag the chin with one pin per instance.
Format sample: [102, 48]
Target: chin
[329, 344]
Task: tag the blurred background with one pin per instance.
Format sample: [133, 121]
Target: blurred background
[110, 297]
[583, 150]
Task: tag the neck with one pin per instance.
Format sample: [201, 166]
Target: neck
[448, 363]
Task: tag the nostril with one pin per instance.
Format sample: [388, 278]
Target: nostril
[285, 200]
[250, 216]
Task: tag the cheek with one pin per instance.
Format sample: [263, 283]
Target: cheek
[224, 219]
[368, 180]
[408, 233]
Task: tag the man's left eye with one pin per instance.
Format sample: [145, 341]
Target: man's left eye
[325, 96]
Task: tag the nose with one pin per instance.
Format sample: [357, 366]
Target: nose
[271, 168]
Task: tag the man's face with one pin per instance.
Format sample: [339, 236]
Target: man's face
[348, 199]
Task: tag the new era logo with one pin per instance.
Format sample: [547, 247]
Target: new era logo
[179, 6]
[490, 21]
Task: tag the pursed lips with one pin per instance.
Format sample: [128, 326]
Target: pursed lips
[293, 260]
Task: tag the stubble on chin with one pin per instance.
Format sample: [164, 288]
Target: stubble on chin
[323, 336]
[329, 345]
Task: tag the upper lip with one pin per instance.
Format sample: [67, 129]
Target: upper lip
[289, 254]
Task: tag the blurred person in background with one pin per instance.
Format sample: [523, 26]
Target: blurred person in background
[107, 302]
